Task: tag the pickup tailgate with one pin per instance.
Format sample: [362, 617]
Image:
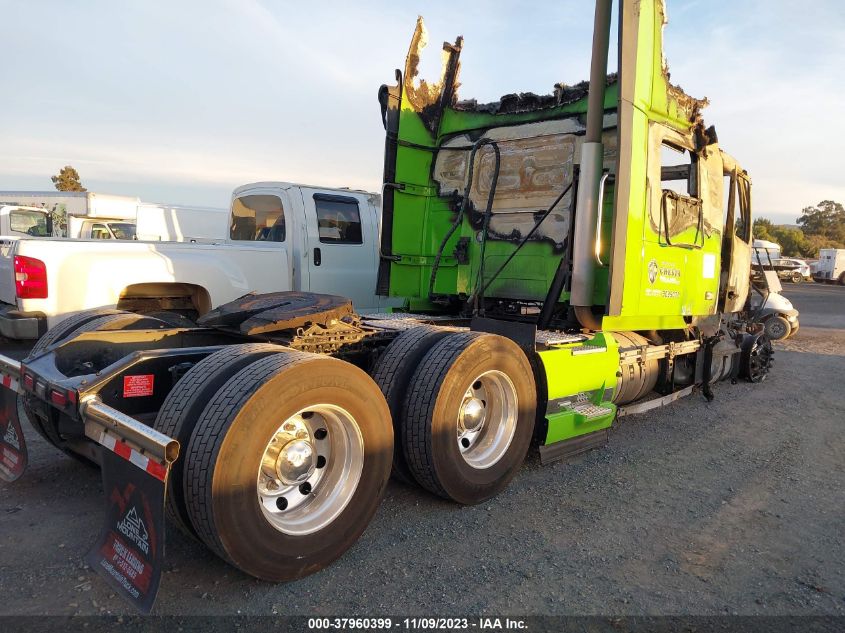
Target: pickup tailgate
[7, 270]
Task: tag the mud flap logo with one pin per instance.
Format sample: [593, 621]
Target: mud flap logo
[133, 528]
[13, 455]
[130, 550]
[11, 437]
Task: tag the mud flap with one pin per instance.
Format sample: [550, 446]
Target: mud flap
[13, 455]
[129, 552]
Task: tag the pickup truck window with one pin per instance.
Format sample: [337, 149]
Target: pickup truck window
[124, 231]
[29, 222]
[338, 220]
[100, 232]
[259, 217]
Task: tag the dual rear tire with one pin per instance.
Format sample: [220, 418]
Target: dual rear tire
[464, 417]
[286, 455]
[286, 463]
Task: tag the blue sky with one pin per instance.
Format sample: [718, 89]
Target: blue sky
[181, 102]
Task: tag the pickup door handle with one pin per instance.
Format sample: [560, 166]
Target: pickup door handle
[318, 257]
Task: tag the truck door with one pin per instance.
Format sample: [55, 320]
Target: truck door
[736, 243]
[341, 250]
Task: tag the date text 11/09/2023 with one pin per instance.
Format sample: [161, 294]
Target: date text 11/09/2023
[418, 624]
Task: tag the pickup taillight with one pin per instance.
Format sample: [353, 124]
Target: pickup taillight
[30, 278]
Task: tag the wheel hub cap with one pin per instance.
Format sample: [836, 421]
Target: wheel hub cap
[472, 414]
[296, 462]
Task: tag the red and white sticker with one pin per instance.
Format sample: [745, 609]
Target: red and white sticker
[138, 386]
[134, 457]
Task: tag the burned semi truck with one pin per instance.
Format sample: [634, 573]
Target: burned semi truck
[565, 259]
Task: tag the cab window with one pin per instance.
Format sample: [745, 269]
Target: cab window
[338, 219]
[681, 208]
[29, 222]
[743, 209]
[100, 232]
[258, 218]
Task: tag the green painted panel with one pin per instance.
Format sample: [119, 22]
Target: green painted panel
[568, 374]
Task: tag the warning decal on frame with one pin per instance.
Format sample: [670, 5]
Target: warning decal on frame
[138, 386]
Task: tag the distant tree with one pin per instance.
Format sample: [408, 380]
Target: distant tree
[67, 180]
[826, 219]
[791, 240]
[762, 229]
[812, 244]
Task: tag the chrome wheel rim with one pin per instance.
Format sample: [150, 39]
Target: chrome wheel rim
[310, 469]
[777, 330]
[487, 419]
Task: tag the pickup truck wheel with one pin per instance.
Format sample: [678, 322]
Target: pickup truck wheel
[288, 464]
[111, 320]
[469, 416]
[393, 372]
[183, 405]
[777, 328]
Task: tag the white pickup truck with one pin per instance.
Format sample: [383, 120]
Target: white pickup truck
[281, 236]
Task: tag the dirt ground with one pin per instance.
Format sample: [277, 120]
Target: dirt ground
[732, 506]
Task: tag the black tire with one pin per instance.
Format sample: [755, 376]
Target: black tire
[432, 408]
[112, 320]
[842, 279]
[183, 405]
[225, 453]
[777, 328]
[393, 372]
[797, 278]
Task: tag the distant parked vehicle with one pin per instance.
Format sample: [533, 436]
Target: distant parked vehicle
[23, 221]
[778, 315]
[789, 269]
[831, 266]
[86, 228]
